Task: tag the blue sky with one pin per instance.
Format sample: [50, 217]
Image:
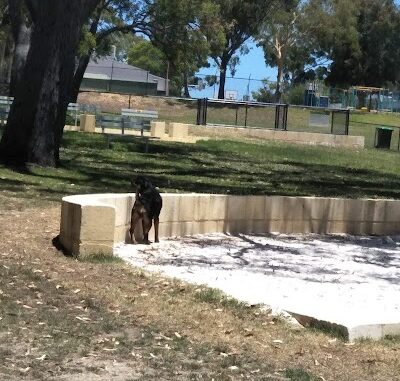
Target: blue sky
[251, 64]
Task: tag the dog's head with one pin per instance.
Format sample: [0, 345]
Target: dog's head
[141, 183]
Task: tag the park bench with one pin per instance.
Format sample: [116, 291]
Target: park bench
[73, 110]
[121, 122]
[5, 105]
[137, 119]
[76, 109]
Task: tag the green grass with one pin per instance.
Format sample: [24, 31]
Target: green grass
[298, 374]
[361, 123]
[101, 259]
[219, 299]
[225, 167]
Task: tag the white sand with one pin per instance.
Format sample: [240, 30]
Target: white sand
[346, 280]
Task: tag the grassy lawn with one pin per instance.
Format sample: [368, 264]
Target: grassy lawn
[185, 111]
[63, 319]
[227, 167]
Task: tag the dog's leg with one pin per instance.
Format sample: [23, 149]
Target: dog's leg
[135, 217]
[156, 222]
[146, 223]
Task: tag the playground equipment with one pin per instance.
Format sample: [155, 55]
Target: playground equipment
[316, 94]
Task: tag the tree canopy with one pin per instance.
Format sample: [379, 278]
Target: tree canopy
[51, 42]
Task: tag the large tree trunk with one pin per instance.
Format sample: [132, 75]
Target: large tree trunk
[6, 59]
[37, 116]
[186, 92]
[21, 30]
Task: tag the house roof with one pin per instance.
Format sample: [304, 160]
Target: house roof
[110, 69]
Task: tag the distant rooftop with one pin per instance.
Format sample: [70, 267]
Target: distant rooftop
[109, 69]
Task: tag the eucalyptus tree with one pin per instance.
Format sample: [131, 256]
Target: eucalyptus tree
[109, 18]
[360, 38]
[285, 41]
[240, 20]
[183, 30]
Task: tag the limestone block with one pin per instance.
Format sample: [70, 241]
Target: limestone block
[372, 331]
[274, 226]
[354, 210]
[261, 133]
[203, 207]
[344, 227]
[88, 123]
[121, 234]
[336, 209]
[392, 211]
[324, 139]
[236, 209]
[349, 141]
[122, 210]
[157, 129]
[293, 136]
[281, 135]
[390, 330]
[178, 130]
[72, 128]
[188, 208]
[303, 227]
[316, 208]
[268, 134]
[171, 229]
[235, 226]
[284, 208]
[171, 206]
[375, 210]
[383, 228]
[204, 227]
[90, 249]
[245, 226]
[255, 207]
[258, 227]
[98, 223]
[318, 226]
[217, 208]
[220, 226]
[70, 226]
[186, 229]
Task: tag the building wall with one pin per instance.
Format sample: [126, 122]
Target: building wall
[114, 86]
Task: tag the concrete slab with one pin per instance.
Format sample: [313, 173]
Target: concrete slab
[350, 283]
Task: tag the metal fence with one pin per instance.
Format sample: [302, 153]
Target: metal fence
[272, 116]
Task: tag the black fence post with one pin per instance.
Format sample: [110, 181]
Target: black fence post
[245, 115]
[236, 118]
[338, 125]
[281, 117]
[285, 117]
[202, 111]
[198, 120]
[347, 121]
[205, 110]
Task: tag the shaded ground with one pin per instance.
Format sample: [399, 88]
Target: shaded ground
[61, 319]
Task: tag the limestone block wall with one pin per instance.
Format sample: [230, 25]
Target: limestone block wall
[92, 224]
[345, 141]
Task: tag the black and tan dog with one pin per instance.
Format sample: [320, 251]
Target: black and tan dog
[147, 207]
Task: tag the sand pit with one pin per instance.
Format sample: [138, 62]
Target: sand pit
[353, 282]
